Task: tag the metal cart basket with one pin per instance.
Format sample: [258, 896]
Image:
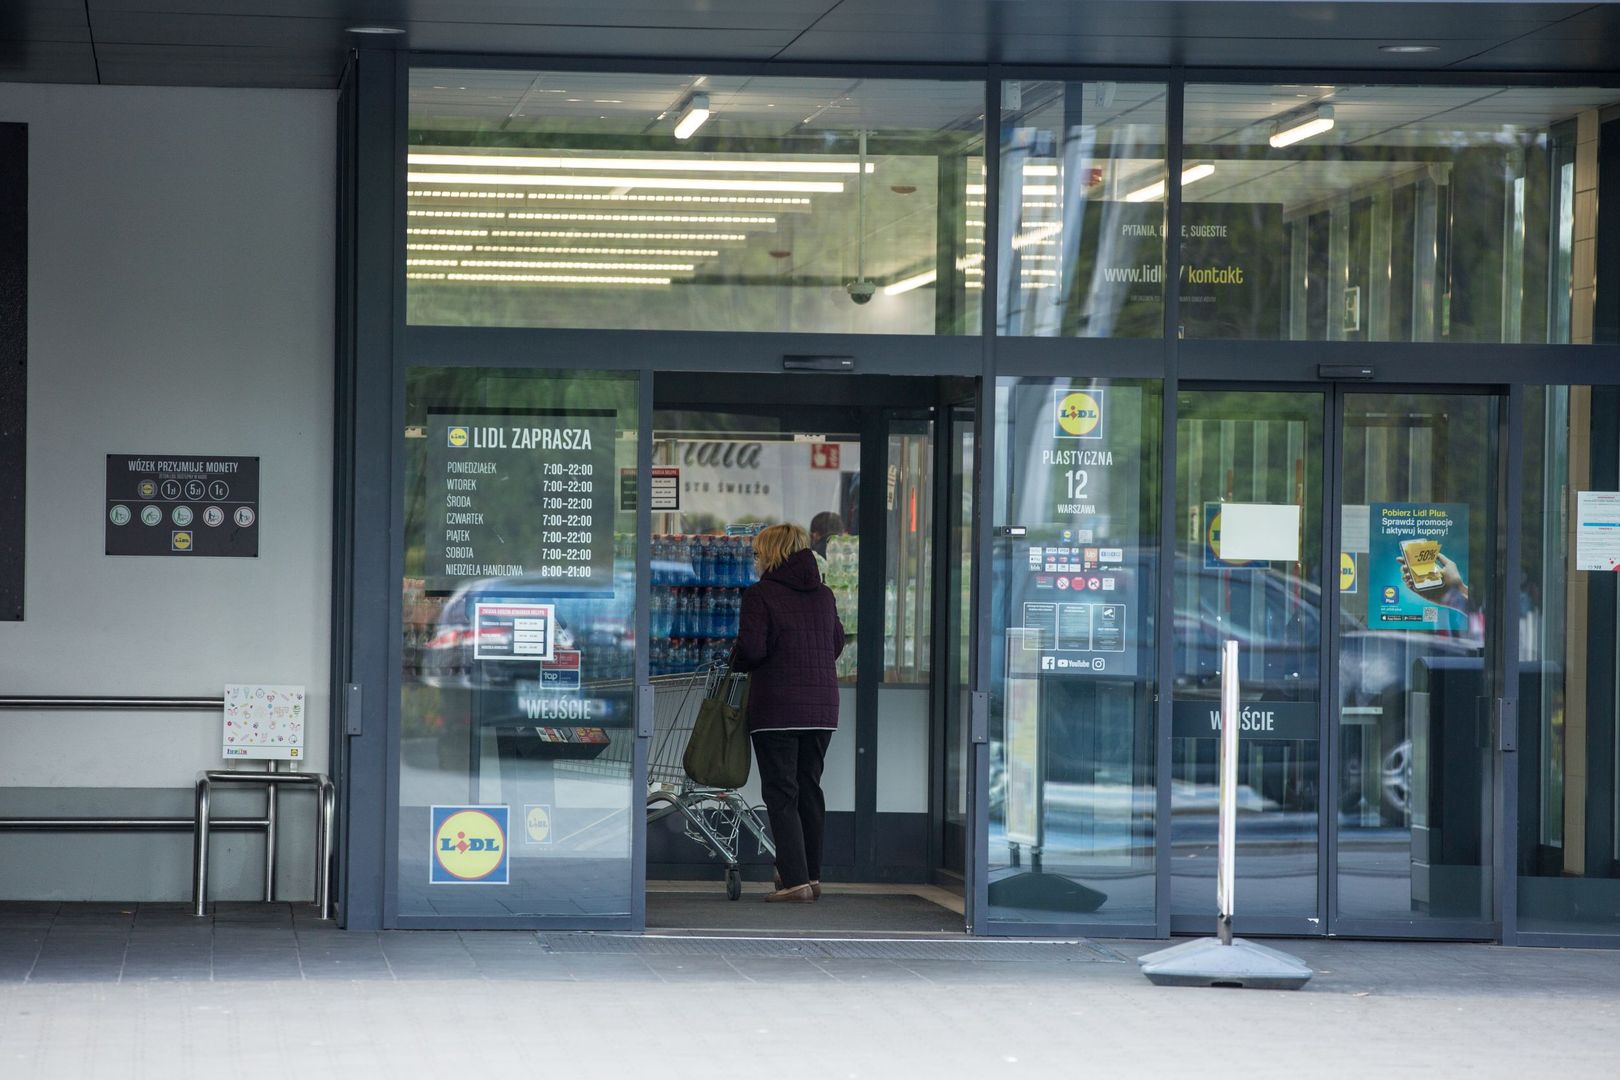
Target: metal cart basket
[714, 817]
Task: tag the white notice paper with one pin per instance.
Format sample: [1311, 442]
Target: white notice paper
[1597, 530]
[264, 722]
[1260, 532]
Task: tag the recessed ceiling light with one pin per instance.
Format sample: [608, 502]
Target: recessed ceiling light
[376, 30]
[1408, 48]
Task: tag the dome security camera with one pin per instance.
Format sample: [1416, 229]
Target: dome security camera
[861, 291]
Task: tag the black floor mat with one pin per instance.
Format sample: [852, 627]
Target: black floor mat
[900, 913]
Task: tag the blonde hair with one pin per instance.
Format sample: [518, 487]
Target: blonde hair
[773, 545]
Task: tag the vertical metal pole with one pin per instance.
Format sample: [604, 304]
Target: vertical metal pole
[325, 812]
[1226, 881]
[270, 838]
[199, 850]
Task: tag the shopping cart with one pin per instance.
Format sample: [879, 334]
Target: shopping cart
[714, 817]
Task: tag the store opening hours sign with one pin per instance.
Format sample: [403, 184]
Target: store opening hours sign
[527, 495]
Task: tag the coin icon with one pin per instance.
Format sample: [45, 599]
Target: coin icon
[219, 489]
[147, 489]
[182, 515]
[151, 515]
[119, 515]
[194, 489]
[213, 517]
[170, 489]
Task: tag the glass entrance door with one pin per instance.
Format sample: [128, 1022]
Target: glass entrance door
[1368, 663]
[520, 774]
[1249, 566]
[1416, 664]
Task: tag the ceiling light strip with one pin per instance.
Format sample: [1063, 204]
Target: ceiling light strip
[653, 164]
[670, 183]
[560, 279]
[518, 249]
[1190, 175]
[1300, 128]
[658, 219]
[567, 264]
[573, 234]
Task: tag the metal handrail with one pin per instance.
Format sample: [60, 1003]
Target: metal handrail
[125, 824]
[99, 702]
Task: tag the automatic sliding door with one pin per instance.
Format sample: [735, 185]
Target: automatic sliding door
[1248, 566]
[1416, 668]
[519, 781]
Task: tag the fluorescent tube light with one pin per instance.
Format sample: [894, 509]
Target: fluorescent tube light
[695, 115]
[518, 249]
[578, 234]
[571, 264]
[662, 183]
[1190, 175]
[661, 219]
[559, 279]
[1303, 127]
[654, 164]
[916, 281]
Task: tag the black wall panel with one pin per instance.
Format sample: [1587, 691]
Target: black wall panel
[13, 362]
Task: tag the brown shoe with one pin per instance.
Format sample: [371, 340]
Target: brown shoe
[799, 894]
[815, 886]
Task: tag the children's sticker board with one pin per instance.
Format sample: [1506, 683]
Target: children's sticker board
[265, 722]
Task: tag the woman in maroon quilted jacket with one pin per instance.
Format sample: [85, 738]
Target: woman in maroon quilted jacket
[788, 637]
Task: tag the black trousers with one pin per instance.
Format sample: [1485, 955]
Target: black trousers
[790, 764]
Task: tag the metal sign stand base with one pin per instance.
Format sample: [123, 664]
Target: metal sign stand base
[1224, 960]
[1210, 962]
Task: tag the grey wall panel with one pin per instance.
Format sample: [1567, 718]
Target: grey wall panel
[180, 293]
[131, 867]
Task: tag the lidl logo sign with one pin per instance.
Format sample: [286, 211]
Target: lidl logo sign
[457, 437]
[1347, 572]
[1077, 414]
[180, 540]
[469, 845]
[537, 824]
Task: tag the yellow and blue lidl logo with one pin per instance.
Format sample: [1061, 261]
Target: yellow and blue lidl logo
[1347, 572]
[1078, 414]
[457, 437]
[537, 824]
[469, 845]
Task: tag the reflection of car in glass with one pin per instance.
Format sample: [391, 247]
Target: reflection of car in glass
[1276, 619]
[595, 626]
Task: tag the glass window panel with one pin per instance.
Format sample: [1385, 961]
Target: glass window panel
[1391, 213]
[1081, 251]
[691, 202]
[1569, 725]
[907, 589]
[517, 696]
[1071, 796]
[1413, 649]
[1247, 447]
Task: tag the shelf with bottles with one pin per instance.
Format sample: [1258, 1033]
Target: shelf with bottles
[841, 572]
[702, 561]
[677, 656]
